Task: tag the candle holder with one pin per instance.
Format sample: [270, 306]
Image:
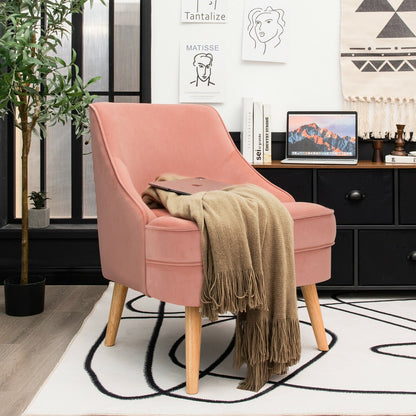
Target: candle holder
[378, 156]
[399, 143]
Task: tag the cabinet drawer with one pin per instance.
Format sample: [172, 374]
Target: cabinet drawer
[407, 192]
[298, 182]
[342, 260]
[387, 257]
[357, 196]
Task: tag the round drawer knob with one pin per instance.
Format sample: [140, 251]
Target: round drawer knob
[412, 256]
[355, 195]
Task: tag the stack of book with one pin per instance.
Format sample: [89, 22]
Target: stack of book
[410, 158]
[256, 135]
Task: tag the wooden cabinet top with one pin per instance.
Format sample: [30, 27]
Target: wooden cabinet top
[362, 164]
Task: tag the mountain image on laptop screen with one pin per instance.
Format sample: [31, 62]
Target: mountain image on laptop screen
[325, 136]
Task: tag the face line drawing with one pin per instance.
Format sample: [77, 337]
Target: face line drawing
[203, 65]
[265, 27]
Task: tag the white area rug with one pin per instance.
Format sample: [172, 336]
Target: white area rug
[370, 368]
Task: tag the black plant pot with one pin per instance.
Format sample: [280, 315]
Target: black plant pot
[24, 300]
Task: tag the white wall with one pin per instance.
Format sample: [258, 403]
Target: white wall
[310, 80]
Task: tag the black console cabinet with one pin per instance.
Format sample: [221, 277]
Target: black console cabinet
[375, 209]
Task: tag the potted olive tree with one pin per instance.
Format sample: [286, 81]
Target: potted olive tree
[37, 88]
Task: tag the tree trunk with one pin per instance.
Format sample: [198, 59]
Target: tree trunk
[25, 204]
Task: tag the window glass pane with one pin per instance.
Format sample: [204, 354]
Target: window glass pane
[95, 43]
[58, 154]
[58, 170]
[127, 45]
[33, 169]
[89, 207]
[127, 99]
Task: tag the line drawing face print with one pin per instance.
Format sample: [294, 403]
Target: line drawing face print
[203, 65]
[206, 5]
[266, 27]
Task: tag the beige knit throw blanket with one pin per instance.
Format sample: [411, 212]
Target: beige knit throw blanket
[248, 264]
[378, 64]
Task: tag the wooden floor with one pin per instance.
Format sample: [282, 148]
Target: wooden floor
[31, 346]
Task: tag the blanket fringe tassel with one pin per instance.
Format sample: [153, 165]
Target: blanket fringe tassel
[233, 292]
[267, 349]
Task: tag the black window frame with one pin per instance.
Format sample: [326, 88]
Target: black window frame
[7, 142]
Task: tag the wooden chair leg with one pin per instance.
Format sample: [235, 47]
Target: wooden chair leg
[117, 305]
[310, 295]
[193, 323]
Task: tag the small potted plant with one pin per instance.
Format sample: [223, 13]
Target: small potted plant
[39, 214]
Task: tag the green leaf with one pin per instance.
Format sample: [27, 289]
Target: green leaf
[32, 69]
[92, 81]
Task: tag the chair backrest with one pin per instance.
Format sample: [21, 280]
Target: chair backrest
[132, 144]
[187, 139]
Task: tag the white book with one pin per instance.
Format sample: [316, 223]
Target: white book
[267, 133]
[400, 159]
[258, 131]
[246, 144]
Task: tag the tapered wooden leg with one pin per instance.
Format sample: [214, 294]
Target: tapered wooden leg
[117, 305]
[193, 324]
[310, 295]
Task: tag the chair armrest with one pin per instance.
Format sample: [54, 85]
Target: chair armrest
[121, 218]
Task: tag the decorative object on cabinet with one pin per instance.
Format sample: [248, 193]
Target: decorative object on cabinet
[399, 143]
[378, 150]
[400, 159]
[246, 141]
[256, 135]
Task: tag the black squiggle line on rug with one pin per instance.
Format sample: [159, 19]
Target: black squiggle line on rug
[88, 361]
[94, 378]
[219, 360]
[169, 392]
[359, 303]
[353, 304]
[349, 391]
[130, 307]
[272, 385]
[341, 302]
[377, 349]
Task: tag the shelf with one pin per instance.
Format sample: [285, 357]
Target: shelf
[362, 164]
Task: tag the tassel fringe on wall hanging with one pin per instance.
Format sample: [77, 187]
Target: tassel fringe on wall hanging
[378, 65]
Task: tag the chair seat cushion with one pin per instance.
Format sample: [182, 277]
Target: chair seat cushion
[315, 225]
[175, 240]
[174, 260]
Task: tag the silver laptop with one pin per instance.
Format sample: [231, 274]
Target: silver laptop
[321, 137]
[189, 186]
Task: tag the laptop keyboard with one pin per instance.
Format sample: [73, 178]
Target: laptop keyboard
[322, 161]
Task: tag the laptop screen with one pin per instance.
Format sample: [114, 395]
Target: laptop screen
[320, 135]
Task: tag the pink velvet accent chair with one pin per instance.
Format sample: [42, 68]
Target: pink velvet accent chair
[159, 255]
